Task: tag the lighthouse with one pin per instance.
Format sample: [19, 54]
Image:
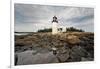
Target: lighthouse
[54, 25]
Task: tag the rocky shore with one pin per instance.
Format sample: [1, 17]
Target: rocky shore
[37, 48]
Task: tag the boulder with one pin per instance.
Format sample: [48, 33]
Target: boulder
[63, 54]
[77, 52]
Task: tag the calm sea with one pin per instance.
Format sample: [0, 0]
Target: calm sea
[21, 33]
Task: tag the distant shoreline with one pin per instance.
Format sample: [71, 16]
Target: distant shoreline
[25, 32]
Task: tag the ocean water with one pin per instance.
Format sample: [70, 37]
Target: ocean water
[21, 33]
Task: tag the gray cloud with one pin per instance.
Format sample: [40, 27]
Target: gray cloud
[80, 19]
[31, 17]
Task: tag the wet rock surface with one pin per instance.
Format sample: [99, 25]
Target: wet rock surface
[70, 47]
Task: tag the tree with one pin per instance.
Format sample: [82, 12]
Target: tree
[45, 30]
[72, 29]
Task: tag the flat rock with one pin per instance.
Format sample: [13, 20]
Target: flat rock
[72, 39]
[28, 57]
[86, 59]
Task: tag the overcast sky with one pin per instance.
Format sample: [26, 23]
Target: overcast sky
[31, 17]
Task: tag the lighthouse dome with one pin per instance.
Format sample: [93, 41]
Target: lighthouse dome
[54, 19]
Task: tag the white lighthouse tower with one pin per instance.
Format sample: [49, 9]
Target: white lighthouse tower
[54, 25]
